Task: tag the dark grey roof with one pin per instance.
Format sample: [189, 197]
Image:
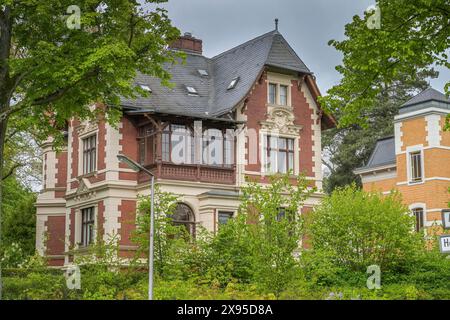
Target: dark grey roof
[429, 94]
[383, 154]
[245, 62]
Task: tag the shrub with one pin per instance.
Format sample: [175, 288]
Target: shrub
[359, 229]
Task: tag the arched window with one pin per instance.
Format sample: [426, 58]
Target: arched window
[184, 216]
[419, 215]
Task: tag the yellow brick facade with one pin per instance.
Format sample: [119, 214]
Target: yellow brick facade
[422, 131]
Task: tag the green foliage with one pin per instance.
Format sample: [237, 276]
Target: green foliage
[19, 216]
[274, 239]
[349, 147]
[256, 254]
[412, 36]
[359, 229]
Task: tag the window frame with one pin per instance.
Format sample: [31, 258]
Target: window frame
[415, 150]
[277, 85]
[275, 95]
[230, 215]
[418, 227]
[87, 235]
[89, 154]
[267, 149]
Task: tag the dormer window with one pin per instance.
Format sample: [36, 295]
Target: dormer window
[191, 91]
[203, 72]
[145, 88]
[283, 95]
[233, 83]
[278, 94]
[272, 93]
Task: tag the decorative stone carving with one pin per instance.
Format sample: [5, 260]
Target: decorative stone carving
[84, 192]
[86, 127]
[281, 119]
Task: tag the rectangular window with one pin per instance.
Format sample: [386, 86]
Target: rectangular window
[279, 154]
[283, 95]
[224, 216]
[272, 93]
[418, 214]
[416, 166]
[87, 226]
[89, 154]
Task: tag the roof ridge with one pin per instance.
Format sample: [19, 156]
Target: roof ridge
[439, 96]
[246, 43]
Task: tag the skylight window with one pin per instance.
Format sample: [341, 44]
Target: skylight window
[145, 87]
[233, 83]
[203, 72]
[191, 90]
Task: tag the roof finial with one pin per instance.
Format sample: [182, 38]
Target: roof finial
[276, 24]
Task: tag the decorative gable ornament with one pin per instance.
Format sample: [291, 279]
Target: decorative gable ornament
[281, 120]
[86, 127]
[83, 191]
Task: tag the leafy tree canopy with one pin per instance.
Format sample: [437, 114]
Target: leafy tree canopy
[412, 34]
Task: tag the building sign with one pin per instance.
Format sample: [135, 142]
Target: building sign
[444, 243]
[446, 218]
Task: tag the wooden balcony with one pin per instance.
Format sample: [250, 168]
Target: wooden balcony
[188, 172]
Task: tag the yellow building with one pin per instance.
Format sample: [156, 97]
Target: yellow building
[416, 160]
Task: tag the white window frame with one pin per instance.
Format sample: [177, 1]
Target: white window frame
[263, 149]
[81, 149]
[423, 206]
[409, 151]
[79, 224]
[278, 83]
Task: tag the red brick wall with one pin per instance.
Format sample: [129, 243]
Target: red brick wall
[61, 173]
[256, 111]
[56, 226]
[101, 138]
[129, 140]
[127, 221]
[75, 146]
[303, 114]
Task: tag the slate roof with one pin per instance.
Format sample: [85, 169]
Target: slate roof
[429, 94]
[245, 62]
[383, 154]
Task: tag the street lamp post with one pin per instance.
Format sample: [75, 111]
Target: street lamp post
[137, 167]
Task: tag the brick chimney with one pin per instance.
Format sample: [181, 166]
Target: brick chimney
[188, 43]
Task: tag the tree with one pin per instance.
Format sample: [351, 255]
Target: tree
[357, 229]
[347, 148]
[52, 68]
[263, 241]
[412, 34]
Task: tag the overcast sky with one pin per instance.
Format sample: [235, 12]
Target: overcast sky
[307, 25]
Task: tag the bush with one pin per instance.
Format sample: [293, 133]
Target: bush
[358, 229]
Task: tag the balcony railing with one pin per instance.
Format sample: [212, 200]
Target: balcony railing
[193, 172]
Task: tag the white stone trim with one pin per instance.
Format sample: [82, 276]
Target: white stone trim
[398, 137]
[379, 176]
[112, 214]
[316, 136]
[421, 113]
[433, 130]
[112, 149]
[41, 231]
